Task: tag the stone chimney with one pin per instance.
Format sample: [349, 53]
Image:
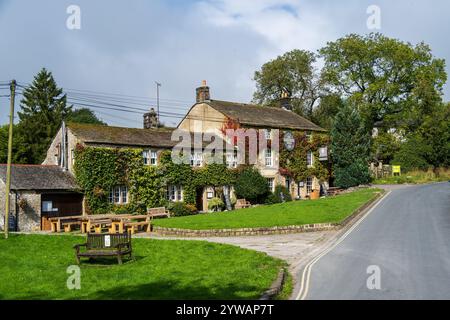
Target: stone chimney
[285, 101]
[150, 119]
[202, 93]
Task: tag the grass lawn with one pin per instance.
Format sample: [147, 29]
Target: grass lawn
[35, 267]
[328, 210]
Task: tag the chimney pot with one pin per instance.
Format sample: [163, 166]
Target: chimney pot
[151, 119]
[202, 93]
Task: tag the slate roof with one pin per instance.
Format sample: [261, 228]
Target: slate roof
[259, 116]
[97, 134]
[126, 137]
[38, 177]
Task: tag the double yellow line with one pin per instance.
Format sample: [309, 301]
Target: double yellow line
[306, 274]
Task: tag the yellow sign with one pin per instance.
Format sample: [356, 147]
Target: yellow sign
[396, 169]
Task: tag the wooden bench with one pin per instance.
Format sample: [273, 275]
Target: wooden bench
[332, 191]
[105, 245]
[242, 203]
[158, 212]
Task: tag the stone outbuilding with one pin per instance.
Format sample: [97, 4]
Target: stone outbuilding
[38, 193]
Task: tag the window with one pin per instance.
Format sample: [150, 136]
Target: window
[309, 182]
[308, 136]
[150, 157]
[309, 159]
[174, 193]
[268, 157]
[118, 195]
[196, 159]
[270, 183]
[268, 134]
[232, 159]
[153, 158]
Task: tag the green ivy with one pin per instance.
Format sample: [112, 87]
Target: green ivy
[98, 170]
[293, 163]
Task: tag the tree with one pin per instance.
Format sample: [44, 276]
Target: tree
[350, 144]
[84, 115]
[251, 185]
[292, 73]
[18, 150]
[43, 109]
[392, 82]
[324, 114]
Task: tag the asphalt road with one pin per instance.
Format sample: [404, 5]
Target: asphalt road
[406, 237]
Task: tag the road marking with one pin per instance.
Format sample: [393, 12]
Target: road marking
[306, 275]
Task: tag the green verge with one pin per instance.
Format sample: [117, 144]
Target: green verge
[327, 210]
[35, 267]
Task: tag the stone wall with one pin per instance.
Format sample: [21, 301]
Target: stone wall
[29, 214]
[27, 218]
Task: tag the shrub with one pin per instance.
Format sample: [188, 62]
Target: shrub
[181, 209]
[276, 197]
[216, 204]
[251, 185]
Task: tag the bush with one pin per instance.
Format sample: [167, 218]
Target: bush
[216, 204]
[180, 209]
[275, 197]
[251, 185]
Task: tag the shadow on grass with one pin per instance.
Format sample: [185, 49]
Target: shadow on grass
[165, 290]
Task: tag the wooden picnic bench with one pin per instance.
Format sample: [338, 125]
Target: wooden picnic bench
[105, 245]
[332, 191]
[130, 223]
[66, 223]
[242, 203]
[158, 212]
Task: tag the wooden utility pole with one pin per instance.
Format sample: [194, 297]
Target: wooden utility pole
[8, 169]
[157, 100]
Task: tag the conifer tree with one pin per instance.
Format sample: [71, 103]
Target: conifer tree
[43, 109]
[350, 147]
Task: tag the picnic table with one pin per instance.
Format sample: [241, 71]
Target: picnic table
[130, 222]
[64, 222]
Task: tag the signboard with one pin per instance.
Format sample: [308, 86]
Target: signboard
[107, 241]
[323, 153]
[289, 141]
[396, 170]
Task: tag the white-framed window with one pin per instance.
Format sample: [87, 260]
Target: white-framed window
[150, 157]
[309, 182]
[118, 195]
[309, 158]
[196, 159]
[309, 136]
[268, 157]
[174, 193]
[271, 184]
[232, 160]
[268, 134]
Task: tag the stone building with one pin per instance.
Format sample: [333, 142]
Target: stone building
[208, 115]
[38, 193]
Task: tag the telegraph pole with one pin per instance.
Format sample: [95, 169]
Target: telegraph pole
[8, 169]
[157, 99]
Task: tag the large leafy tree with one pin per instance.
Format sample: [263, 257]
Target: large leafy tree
[84, 115]
[350, 144]
[18, 150]
[394, 83]
[43, 109]
[292, 73]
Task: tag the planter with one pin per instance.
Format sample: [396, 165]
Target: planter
[315, 194]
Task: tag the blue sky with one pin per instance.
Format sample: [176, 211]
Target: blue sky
[123, 47]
